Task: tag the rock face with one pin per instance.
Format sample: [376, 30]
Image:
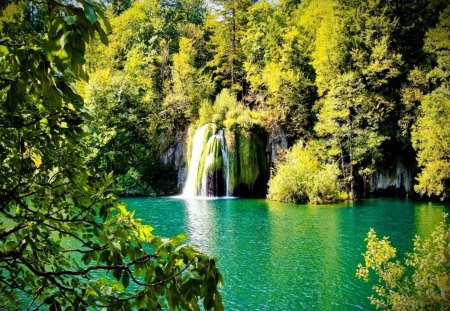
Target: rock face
[399, 179]
[176, 155]
[277, 140]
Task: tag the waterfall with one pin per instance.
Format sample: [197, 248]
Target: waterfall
[197, 148]
[214, 155]
[226, 162]
[210, 161]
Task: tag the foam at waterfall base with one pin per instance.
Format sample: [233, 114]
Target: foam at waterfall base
[202, 198]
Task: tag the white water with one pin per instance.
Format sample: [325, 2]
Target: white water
[210, 160]
[190, 190]
[197, 149]
[226, 162]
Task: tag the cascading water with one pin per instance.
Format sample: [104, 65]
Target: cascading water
[215, 159]
[226, 162]
[190, 188]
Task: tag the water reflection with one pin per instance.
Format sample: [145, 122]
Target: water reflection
[307, 277]
[290, 257]
[201, 224]
[427, 215]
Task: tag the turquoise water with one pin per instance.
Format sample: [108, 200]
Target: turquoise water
[289, 257]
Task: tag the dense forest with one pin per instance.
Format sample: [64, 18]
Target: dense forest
[360, 89]
[300, 101]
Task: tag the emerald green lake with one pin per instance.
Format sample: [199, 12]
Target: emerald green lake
[289, 257]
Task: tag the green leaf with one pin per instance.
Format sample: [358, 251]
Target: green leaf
[70, 19]
[3, 50]
[90, 14]
[86, 258]
[65, 38]
[102, 34]
[125, 279]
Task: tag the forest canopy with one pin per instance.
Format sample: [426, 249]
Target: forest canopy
[366, 80]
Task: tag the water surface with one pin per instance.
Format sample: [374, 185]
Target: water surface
[289, 257]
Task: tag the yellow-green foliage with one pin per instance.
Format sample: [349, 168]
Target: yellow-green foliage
[227, 112]
[427, 288]
[206, 112]
[248, 159]
[431, 138]
[320, 20]
[217, 112]
[303, 177]
[431, 135]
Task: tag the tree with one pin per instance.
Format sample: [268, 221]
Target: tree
[278, 70]
[60, 225]
[118, 6]
[322, 24]
[431, 137]
[350, 127]
[358, 103]
[228, 25]
[431, 134]
[426, 288]
[189, 86]
[304, 177]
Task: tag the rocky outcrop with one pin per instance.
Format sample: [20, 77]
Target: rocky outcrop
[177, 155]
[398, 179]
[277, 141]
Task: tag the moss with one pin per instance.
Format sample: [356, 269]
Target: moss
[208, 133]
[190, 137]
[213, 148]
[248, 159]
[230, 140]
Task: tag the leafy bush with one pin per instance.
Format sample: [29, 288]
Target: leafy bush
[427, 288]
[131, 184]
[304, 177]
[228, 112]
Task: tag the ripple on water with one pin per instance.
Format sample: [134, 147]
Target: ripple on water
[289, 257]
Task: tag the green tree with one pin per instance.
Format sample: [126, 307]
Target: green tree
[431, 138]
[350, 127]
[119, 6]
[60, 226]
[358, 104]
[189, 85]
[303, 176]
[431, 134]
[426, 288]
[322, 24]
[278, 71]
[228, 25]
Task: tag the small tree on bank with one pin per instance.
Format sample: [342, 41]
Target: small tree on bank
[426, 288]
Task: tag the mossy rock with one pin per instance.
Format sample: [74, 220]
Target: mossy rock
[248, 158]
